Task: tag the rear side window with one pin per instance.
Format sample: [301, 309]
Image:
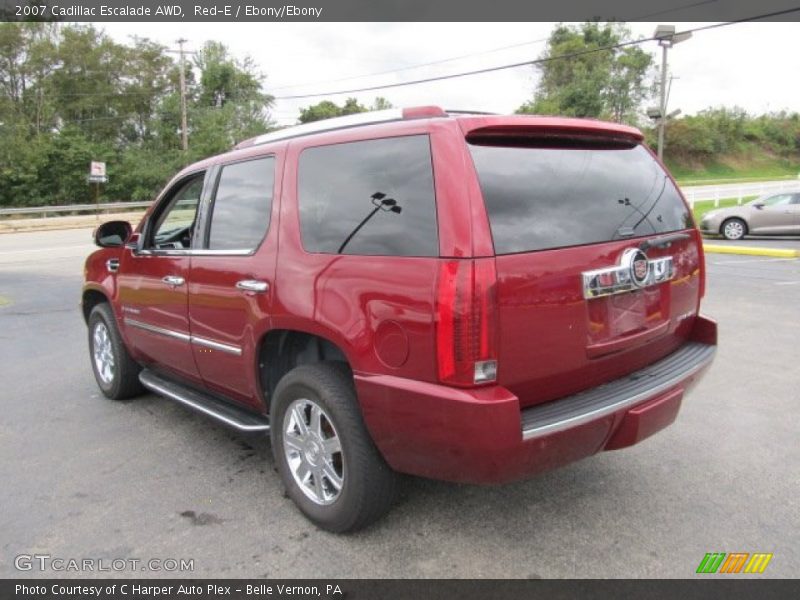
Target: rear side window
[567, 195]
[373, 197]
[242, 205]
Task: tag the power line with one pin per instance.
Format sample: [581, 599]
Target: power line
[412, 67]
[658, 13]
[531, 62]
[481, 53]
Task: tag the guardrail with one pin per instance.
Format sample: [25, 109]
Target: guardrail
[45, 210]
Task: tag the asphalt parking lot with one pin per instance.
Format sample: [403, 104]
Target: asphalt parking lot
[83, 477]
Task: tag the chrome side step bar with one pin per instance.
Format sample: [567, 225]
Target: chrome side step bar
[238, 418]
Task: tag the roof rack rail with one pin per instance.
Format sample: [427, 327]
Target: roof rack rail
[356, 120]
[470, 112]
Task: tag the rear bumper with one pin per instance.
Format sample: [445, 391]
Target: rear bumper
[481, 435]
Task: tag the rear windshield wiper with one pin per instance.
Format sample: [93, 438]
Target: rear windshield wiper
[663, 240]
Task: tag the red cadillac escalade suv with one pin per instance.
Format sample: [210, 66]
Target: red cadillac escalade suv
[468, 297]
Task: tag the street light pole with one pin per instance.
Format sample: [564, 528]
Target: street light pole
[666, 36]
[662, 121]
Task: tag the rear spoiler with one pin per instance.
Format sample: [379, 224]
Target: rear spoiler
[527, 130]
[551, 137]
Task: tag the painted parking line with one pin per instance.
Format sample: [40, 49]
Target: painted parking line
[787, 282]
[749, 261]
[751, 250]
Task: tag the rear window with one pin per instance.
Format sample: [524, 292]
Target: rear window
[568, 195]
[242, 205]
[370, 197]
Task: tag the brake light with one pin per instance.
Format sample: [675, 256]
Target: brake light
[466, 322]
[698, 240]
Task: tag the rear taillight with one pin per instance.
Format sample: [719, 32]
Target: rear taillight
[702, 259]
[466, 322]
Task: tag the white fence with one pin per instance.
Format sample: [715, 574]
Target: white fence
[714, 193]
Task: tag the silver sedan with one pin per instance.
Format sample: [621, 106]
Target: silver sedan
[773, 214]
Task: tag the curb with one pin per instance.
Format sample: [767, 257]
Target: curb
[751, 251]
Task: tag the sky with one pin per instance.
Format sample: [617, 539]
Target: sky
[750, 65]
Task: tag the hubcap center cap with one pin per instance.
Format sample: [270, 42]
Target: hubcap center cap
[313, 451]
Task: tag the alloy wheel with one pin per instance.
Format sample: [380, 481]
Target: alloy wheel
[313, 451]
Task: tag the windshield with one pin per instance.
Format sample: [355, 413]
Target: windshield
[550, 197]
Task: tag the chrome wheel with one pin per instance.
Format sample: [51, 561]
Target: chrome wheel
[733, 230]
[103, 353]
[313, 451]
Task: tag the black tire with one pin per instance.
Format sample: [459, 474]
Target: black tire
[123, 381]
[368, 485]
[736, 231]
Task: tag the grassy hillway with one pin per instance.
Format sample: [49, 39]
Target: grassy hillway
[734, 169]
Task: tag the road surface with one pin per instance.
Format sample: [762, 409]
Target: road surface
[84, 477]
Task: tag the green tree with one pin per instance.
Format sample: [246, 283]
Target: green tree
[228, 102]
[596, 83]
[381, 103]
[327, 109]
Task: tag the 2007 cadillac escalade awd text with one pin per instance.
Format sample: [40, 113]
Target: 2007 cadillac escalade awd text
[467, 297]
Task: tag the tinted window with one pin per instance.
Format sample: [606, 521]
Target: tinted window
[242, 205]
[540, 198]
[371, 197]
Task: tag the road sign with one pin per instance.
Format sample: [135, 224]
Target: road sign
[97, 172]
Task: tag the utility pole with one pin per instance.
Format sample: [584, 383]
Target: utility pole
[184, 132]
[184, 127]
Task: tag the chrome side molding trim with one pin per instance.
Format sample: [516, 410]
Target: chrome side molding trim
[192, 252]
[184, 337]
[235, 350]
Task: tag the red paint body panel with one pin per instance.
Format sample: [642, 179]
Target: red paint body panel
[555, 343]
[146, 298]
[475, 436]
[380, 312]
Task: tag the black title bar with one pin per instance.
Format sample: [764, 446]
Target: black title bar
[707, 588]
[394, 10]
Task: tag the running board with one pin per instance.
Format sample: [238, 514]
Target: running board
[238, 418]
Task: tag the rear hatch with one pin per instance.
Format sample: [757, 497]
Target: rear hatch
[599, 268]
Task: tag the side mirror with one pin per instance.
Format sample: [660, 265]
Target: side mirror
[112, 234]
[758, 205]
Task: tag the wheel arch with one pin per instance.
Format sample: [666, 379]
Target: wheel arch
[281, 350]
[734, 218]
[90, 298]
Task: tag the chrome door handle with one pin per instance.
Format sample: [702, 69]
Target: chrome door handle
[173, 280]
[252, 285]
